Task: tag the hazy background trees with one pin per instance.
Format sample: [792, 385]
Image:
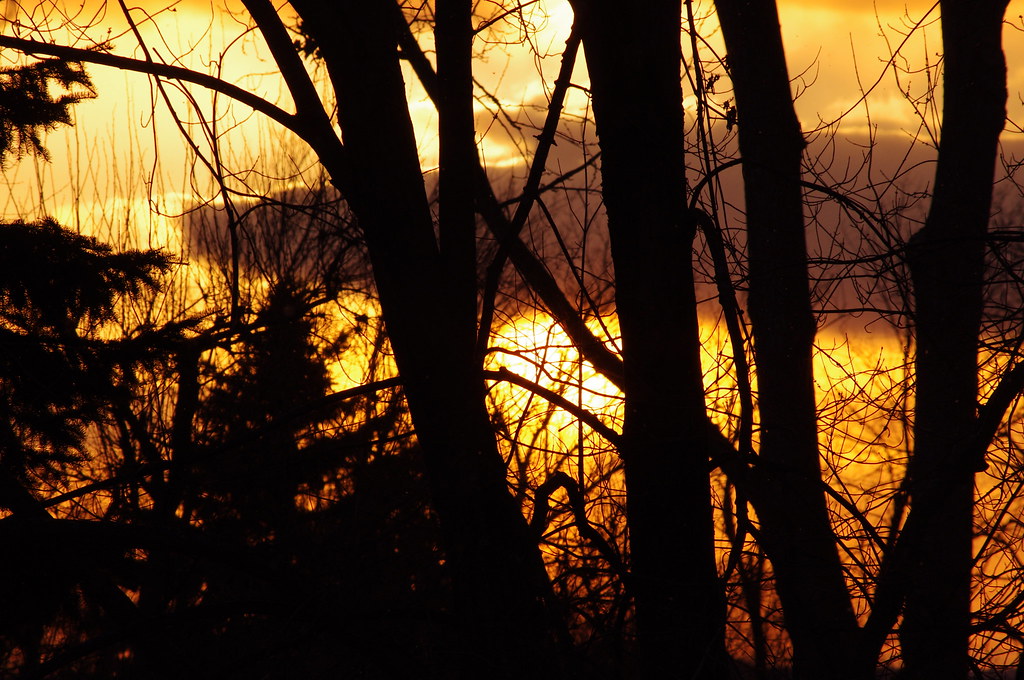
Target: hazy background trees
[330, 438]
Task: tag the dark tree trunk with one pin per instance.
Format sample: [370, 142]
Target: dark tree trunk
[453, 39]
[946, 261]
[786, 483]
[428, 300]
[633, 56]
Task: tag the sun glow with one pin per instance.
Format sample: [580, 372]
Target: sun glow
[861, 382]
[535, 348]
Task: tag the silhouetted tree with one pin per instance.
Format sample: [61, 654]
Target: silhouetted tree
[785, 483]
[633, 59]
[58, 292]
[299, 519]
[934, 557]
[929, 567]
[27, 108]
[425, 282]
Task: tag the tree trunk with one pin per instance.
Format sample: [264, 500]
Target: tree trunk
[633, 57]
[785, 485]
[947, 261]
[428, 299]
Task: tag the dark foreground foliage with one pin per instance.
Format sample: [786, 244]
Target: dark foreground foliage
[225, 517]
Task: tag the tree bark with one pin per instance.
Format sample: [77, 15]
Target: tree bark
[785, 484]
[427, 294]
[946, 260]
[633, 57]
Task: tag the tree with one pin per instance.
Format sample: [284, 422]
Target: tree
[203, 526]
[27, 108]
[946, 260]
[785, 482]
[423, 282]
[930, 563]
[58, 293]
[638, 109]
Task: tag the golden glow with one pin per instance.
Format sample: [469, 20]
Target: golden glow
[835, 52]
[535, 348]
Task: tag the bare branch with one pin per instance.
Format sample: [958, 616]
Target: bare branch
[94, 56]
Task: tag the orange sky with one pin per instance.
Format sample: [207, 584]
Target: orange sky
[827, 45]
[98, 178]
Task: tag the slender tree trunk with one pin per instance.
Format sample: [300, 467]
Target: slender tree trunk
[633, 56]
[947, 261]
[453, 40]
[428, 299]
[785, 485]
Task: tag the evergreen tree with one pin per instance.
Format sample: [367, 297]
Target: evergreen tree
[27, 108]
[58, 290]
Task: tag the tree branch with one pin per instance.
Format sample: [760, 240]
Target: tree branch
[505, 375]
[94, 56]
[538, 522]
[308, 106]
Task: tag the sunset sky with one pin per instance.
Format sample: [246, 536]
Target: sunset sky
[835, 50]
